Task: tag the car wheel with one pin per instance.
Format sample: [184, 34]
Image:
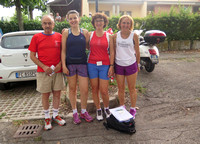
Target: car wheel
[4, 86]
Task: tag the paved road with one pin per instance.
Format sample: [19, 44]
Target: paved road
[169, 110]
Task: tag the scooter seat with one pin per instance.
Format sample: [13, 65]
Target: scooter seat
[144, 43]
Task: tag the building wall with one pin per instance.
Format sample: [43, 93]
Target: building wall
[85, 8]
[115, 9]
[101, 7]
[140, 10]
[176, 0]
[134, 9]
[162, 8]
[165, 8]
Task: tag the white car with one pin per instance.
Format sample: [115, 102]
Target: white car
[15, 62]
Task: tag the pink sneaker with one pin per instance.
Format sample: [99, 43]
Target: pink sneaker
[86, 116]
[133, 112]
[76, 118]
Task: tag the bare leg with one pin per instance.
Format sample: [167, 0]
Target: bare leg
[72, 81]
[45, 101]
[104, 92]
[121, 88]
[83, 85]
[95, 92]
[56, 99]
[131, 80]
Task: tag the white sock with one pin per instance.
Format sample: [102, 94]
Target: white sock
[99, 109]
[74, 111]
[46, 114]
[83, 111]
[55, 112]
[106, 108]
[133, 108]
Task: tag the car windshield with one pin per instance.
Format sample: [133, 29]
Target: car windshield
[16, 42]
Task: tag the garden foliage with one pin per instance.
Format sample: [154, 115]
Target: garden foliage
[178, 24]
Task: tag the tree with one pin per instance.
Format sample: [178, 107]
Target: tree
[21, 5]
[29, 6]
[17, 3]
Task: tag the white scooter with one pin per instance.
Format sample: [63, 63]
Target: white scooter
[149, 54]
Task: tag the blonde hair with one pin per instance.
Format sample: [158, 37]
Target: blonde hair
[123, 17]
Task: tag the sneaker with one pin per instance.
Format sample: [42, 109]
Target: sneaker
[133, 112]
[47, 124]
[99, 115]
[86, 116]
[107, 113]
[76, 118]
[59, 120]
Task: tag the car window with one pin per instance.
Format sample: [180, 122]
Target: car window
[16, 42]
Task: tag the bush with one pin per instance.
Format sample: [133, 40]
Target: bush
[179, 24]
[87, 26]
[32, 25]
[113, 23]
[59, 26]
[9, 26]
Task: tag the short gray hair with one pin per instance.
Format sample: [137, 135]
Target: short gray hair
[47, 15]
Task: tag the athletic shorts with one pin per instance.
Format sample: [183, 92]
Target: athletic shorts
[46, 84]
[126, 70]
[95, 71]
[79, 69]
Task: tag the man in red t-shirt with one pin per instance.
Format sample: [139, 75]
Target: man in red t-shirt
[47, 46]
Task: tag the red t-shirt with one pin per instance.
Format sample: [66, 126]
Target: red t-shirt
[99, 50]
[47, 47]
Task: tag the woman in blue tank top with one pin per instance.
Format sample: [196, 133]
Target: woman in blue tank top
[74, 64]
[76, 46]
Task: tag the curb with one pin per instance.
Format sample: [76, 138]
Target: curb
[91, 108]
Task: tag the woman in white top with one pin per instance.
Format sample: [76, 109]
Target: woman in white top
[127, 58]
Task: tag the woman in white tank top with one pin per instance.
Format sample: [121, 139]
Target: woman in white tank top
[127, 58]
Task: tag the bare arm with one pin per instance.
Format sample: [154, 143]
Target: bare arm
[63, 51]
[114, 43]
[89, 34]
[46, 69]
[86, 34]
[112, 56]
[137, 52]
[58, 67]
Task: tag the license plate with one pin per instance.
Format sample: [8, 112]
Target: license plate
[26, 74]
[154, 58]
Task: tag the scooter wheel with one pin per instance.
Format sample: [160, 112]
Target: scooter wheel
[149, 67]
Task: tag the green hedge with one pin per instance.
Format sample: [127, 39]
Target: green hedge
[176, 27]
[181, 25]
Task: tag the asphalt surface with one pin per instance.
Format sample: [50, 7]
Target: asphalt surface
[169, 110]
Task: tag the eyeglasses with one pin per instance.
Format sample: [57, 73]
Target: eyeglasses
[99, 21]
